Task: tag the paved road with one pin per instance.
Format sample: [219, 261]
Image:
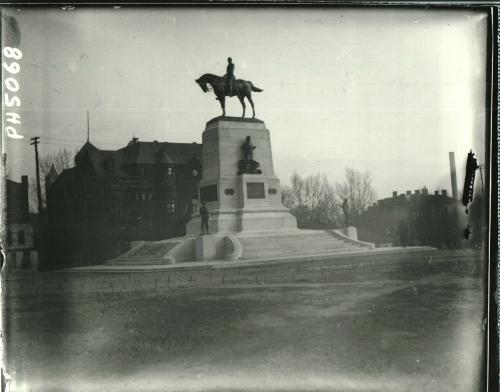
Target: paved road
[409, 326]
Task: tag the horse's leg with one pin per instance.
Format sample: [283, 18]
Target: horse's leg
[242, 100]
[249, 97]
[222, 101]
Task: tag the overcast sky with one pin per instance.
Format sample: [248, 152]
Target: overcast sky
[389, 91]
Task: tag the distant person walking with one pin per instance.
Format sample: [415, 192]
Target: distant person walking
[345, 208]
[205, 217]
[403, 233]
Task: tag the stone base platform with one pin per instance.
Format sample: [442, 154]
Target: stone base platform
[249, 245]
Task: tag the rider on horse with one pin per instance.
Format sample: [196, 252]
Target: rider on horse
[229, 78]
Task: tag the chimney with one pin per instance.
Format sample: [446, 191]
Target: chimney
[453, 173]
[425, 192]
[408, 193]
[436, 193]
[417, 192]
[394, 194]
[443, 192]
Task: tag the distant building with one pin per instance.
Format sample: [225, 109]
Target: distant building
[20, 249]
[432, 219]
[142, 192]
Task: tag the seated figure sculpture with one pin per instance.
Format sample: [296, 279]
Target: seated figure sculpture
[247, 165]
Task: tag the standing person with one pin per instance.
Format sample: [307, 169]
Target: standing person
[345, 208]
[205, 217]
[229, 77]
[403, 233]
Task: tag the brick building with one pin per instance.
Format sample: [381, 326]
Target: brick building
[432, 219]
[144, 191]
[20, 249]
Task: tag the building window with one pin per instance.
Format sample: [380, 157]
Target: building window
[142, 172]
[170, 171]
[171, 206]
[144, 196]
[194, 204]
[20, 237]
[10, 238]
[26, 260]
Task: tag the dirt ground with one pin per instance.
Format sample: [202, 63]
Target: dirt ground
[404, 327]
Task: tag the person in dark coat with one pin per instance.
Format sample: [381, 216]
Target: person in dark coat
[345, 209]
[205, 217]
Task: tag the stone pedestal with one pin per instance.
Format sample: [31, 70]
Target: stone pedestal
[243, 195]
[205, 247]
[239, 202]
[350, 232]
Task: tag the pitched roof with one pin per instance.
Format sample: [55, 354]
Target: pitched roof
[66, 176]
[108, 163]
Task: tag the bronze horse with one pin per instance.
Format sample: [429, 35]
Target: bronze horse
[243, 89]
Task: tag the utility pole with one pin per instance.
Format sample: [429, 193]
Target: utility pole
[35, 142]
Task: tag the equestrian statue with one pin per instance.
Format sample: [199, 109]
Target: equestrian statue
[228, 86]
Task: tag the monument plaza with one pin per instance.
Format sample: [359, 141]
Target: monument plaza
[236, 297]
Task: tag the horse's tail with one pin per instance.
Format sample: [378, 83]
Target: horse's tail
[255, 89]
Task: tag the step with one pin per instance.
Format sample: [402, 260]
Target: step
[308, 243]
[151, 250]
[138, 262]
[146, 254]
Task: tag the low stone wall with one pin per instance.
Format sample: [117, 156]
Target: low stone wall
[75, 282]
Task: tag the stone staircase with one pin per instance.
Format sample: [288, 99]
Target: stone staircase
[250, 245]
[303, 242]
[147, 253]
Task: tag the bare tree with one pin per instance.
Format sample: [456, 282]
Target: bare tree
[312, 201]
[357, 189]
[61, 159]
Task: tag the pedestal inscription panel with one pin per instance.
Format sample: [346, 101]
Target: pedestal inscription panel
[255, 190]
[208, 193]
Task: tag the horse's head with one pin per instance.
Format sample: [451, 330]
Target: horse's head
[202, 84]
